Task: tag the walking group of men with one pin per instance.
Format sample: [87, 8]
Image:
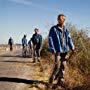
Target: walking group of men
[60, 42]
[34, 45]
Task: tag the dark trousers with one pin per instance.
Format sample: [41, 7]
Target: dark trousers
[11, 48]
[58, 68]
[36, 53]
[24, 50]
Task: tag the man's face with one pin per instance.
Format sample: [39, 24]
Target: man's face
[61, 20]
[36, 31]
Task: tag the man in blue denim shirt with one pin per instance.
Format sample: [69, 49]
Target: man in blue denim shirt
[37, 44]
[60, 43]
[24, 45]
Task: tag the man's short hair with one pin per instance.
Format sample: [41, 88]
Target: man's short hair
[36, 29]
[24, 36]
[60, 16]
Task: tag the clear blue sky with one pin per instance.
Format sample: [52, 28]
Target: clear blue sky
[18, 17]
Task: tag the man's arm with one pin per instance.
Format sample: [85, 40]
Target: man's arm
[51, 42]
[40, 39]
[70, 42]
[40, 42]
[32, 39]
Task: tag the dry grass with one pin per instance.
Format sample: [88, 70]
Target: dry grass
[78, 67]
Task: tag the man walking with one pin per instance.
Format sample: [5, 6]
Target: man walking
[37, 43]
[59, 44]
[24, 45]
[10, 43]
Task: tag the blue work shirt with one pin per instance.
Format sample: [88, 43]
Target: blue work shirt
[24, 41]
[57, 43]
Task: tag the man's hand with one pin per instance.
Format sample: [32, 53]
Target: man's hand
[73, 50]
[69, 56]
[54, 53]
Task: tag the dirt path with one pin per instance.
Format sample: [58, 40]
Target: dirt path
[14, 68]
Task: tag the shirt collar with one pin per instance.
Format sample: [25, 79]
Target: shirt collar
[60, 28]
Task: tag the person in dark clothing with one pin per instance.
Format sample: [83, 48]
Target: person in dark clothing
[37, 43]
[60, 42]
[10, 43]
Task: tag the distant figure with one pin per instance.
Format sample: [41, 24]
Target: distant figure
[37, 43]
[24, 45]
[10, 43]
[60, 42]
[30, 48]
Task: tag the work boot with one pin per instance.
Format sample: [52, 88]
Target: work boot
[34, 60]
[38, 59]
[62, 83]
